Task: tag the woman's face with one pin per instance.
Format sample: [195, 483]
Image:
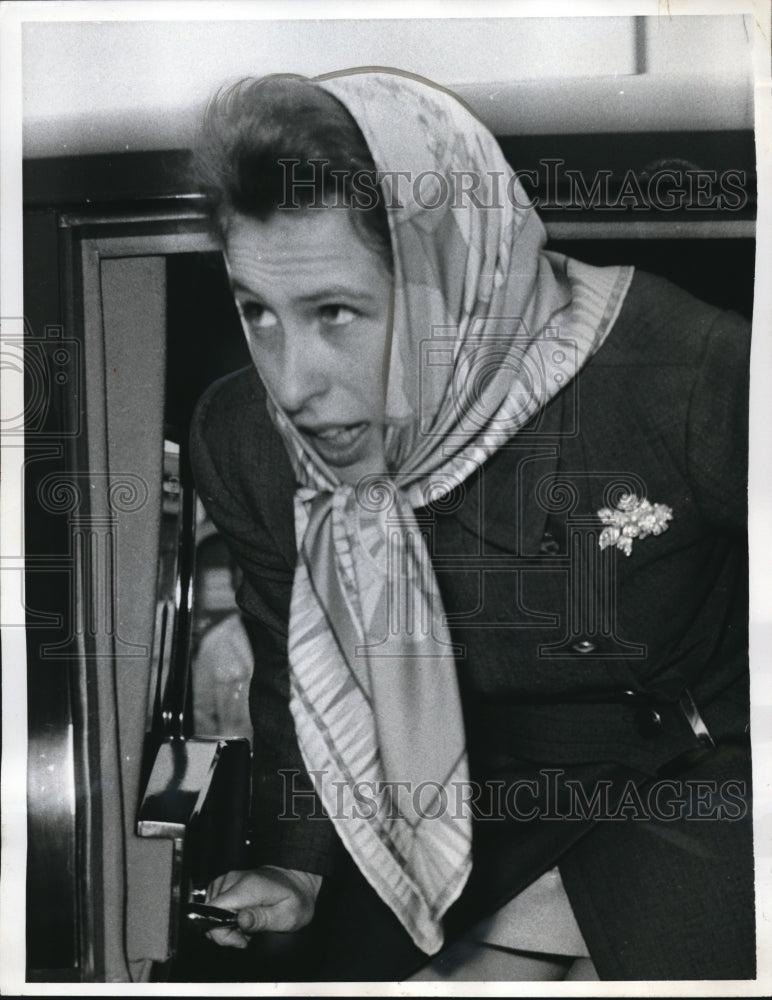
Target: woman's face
[316, 301]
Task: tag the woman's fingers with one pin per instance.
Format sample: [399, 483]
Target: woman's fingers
[228, 937]
[267, 899]
[257, 918]
[284, 915]
[221, 884]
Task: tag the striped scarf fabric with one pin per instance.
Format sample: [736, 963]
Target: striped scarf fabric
[487, 327]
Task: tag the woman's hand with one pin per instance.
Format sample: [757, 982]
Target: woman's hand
[266, 899]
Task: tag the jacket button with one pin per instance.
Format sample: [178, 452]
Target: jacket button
[649, 722]
[585, 646]
[549, 545]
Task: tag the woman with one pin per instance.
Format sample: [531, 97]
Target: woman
[489, 504]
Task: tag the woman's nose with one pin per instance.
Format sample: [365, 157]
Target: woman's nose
[301, 375]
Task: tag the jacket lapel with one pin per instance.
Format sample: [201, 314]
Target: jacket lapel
[507, 501]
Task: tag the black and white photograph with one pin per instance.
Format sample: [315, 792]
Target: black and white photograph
[386, 477]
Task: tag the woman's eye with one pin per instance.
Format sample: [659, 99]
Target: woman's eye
[335, 315]
[258, 316]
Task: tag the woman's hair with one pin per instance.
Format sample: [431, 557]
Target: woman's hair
[281, 142]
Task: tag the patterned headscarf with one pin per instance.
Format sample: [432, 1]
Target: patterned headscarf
[487, 327]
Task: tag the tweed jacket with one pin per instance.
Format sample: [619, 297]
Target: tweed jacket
[568, 656]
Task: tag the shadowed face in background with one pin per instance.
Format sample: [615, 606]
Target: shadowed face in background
[316, 303]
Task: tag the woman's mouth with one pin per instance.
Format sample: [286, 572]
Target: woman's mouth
[338, 444]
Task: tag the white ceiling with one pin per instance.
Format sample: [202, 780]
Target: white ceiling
[95, 86]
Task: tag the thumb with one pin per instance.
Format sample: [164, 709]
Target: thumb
[252, 919]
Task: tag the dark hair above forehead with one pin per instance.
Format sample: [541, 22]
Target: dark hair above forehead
[282, 143]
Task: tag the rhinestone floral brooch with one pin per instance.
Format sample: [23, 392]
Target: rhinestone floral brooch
[632, 518]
